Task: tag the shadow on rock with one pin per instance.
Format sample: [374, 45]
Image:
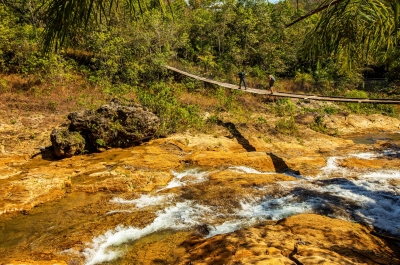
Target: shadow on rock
[46, 153]
[281, 166]
[239, 137]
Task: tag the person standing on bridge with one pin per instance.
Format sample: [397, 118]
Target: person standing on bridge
[271, 80]
[241, 75]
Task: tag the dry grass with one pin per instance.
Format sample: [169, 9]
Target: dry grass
[30, 108]
[60, 95]
[53, 99]
[203, 101]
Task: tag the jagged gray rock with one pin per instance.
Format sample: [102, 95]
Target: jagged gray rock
[112, 125]
[66, 143]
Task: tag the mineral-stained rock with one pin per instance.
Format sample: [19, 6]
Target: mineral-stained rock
[306, 118]
[299, 239]
[66, 143]
[112, 125]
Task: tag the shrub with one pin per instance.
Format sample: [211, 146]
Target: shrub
[226, 99]
[367, 108]
[304, 81]
[330, 109]
[319, 126]
[174, 116]
[284, 107]
[3, 85]
[357, 108]
[213, 119]
[286, 126]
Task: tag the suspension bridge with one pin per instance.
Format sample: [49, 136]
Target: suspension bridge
[285, 94]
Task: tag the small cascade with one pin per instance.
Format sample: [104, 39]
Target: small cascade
[365, 196]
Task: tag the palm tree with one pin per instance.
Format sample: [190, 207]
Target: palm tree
[346, 27]
[64, 16]
[362, 29]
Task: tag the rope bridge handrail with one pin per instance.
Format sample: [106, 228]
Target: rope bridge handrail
[284, 94]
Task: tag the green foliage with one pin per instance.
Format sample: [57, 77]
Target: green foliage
[207, 60]
[20, 51]
[262, 120]
[100, 142]
[52, 105]
[358, 108]
[366, 108]
[213, 119]
[226, 100]
[284, 107]
[304, 80]
[192, 85]
[319, 126]
[3, 85]
[286, 126]
[330, 109]
[385, 109]
[162, 100]
[117, 90]
[122, 55]
[355, 31]
[357, 94]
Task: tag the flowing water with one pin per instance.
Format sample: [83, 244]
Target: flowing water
[119, 229]
[371, 197]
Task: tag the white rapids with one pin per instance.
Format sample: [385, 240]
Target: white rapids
[367, 197]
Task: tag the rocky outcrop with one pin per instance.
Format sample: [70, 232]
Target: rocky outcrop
[112, 125]
[357, 124]
[300, 239]
[66, 143]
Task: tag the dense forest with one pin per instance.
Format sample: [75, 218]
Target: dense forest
[324, 47]
[127, 43]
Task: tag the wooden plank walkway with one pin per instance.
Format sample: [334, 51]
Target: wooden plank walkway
[285, 94]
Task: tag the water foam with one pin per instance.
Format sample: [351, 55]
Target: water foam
[191, 176]
[249, 170]
[144, 201]
[332, 167]
[366, 197]
[181, 216]
[371, 203]
[366, 156]
[273, 208]
[228, 227]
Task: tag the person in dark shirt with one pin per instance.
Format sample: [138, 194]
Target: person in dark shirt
[241, 75]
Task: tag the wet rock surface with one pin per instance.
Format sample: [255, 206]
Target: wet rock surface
[110, 126]
[300, 239]
[72, 201]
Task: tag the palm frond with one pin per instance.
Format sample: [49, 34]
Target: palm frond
[355, 29]
[64, 16]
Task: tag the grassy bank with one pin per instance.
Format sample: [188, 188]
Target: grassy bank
[182, 105]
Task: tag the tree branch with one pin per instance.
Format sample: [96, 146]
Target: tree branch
[312, 12]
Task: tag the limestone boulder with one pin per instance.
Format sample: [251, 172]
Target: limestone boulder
[67, 143]
[110, 126]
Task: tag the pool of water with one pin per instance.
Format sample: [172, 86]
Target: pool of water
[372, 138]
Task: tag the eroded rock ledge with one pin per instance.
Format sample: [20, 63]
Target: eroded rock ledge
[112, 125]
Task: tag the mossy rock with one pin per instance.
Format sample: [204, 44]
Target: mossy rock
[110, 126]
[66, 143]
